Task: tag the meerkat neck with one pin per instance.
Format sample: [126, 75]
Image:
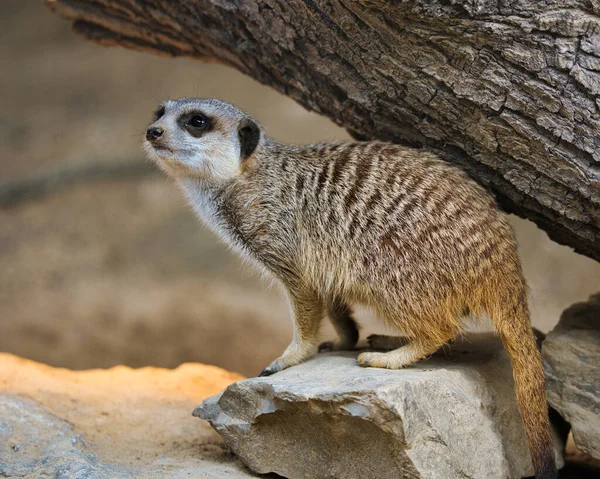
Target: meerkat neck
[201, 196]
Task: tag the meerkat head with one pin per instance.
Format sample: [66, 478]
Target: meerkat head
[205, 139]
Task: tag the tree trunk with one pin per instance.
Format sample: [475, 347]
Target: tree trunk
[507, 89]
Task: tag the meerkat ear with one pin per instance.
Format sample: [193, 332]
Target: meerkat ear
[249, 134]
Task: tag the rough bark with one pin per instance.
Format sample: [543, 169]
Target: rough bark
[508, 89]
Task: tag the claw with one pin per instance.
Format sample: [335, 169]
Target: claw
[266, 372]
[371, 360]
[361, 360]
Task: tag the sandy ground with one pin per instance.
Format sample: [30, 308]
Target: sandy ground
[137, 419]
[119, 271]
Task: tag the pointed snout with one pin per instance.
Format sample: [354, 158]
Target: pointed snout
[154, 133]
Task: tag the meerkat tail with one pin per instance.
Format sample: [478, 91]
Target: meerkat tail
[514, 328]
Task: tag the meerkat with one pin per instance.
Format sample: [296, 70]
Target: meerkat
[372, 223]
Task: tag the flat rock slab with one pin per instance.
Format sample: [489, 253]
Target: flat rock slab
[447, 417]
[119, 423]
[571, 355]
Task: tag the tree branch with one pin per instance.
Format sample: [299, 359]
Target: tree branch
[510, 91]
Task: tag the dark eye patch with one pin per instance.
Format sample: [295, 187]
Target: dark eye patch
[158, 114]
[195, 123]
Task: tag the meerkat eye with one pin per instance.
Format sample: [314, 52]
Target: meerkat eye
[158, 114]
[198, 121]
[195, 123]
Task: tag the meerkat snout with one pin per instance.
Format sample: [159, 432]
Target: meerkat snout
[153, 133]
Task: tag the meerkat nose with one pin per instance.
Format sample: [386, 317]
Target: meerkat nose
[154, 133]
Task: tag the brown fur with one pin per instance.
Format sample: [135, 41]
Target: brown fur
[390, 227]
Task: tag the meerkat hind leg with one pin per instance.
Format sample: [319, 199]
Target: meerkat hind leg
[340, 315]
[404, 356]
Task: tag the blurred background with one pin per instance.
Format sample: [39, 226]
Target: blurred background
[116, 270]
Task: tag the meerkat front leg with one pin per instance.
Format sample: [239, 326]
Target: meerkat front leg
[308, 312]
[340, 315]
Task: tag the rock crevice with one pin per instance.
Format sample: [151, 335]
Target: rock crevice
[571, 354]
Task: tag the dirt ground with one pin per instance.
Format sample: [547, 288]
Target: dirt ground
[132, 419]
[119, 271]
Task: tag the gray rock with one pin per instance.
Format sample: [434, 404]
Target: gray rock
[571, 355]
[448, 417]
[36, 444]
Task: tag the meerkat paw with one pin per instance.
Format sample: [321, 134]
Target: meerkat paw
[329, 346]
[276, 366]
[372, 360]
[401, 357]
[268, 371]
[396, 359]
[386, 343]
[293, 355]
